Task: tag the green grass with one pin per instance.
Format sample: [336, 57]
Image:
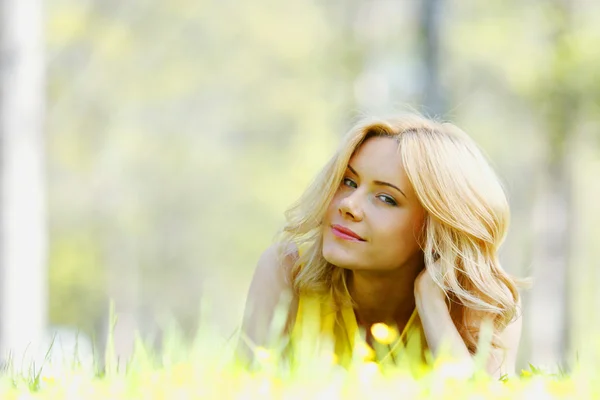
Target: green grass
[205, 368]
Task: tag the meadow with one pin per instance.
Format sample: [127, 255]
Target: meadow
[206, 367]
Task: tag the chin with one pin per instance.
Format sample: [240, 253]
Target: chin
[337, 255]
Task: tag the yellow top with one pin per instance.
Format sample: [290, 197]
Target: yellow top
[319, 328]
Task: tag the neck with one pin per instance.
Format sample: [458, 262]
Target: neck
[385, 296]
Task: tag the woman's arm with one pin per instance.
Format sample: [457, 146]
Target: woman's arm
[439, 327]
[269, 283]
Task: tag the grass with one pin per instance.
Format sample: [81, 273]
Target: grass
[205, 368]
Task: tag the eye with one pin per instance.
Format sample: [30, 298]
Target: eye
[387, 199]
[349, 182]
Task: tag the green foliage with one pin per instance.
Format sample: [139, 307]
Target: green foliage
[163, 120]
[76, 281]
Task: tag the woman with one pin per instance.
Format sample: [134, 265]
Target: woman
[401, 227]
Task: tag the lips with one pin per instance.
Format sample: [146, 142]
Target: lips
[346, 233]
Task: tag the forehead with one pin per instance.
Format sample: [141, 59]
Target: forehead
[379, 159]
[379, 155]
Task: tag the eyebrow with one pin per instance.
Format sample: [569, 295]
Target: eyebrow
[378, 182]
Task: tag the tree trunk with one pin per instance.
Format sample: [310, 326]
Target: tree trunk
[549, 299]
[549, 316]
[23, 288]
[430, 47]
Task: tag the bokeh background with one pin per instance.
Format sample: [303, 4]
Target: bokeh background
[150, 148]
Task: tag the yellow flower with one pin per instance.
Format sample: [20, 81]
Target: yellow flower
[383, 333]
[365, 351]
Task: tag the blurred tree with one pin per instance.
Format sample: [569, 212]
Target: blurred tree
[23, 293]
[169, 130]
[431, 26]
[559, 101]
[534, 64]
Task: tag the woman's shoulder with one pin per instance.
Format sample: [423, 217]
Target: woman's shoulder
[278, 261]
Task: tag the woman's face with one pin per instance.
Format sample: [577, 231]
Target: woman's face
[376, 203]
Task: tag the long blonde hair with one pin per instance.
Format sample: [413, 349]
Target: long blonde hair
[466, 222]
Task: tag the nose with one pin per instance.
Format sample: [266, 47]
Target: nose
[350, 208]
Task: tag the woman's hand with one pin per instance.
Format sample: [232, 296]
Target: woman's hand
[425, 286]
[439, 327]
[440, 332]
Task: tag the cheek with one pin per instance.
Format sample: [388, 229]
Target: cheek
[333, 206]
[406, 234]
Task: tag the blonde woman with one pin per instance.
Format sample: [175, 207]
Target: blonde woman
[402, 227]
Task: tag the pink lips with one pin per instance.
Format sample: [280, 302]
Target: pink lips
[345, 233]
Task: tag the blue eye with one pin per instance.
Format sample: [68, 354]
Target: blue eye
[388, 200]
[349, 182]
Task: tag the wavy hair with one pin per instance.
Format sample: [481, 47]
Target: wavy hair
[467, 217]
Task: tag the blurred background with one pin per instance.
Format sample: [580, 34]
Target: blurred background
[150, 148]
